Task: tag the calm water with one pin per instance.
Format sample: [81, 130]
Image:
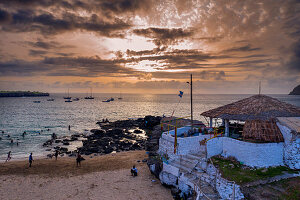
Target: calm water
[21, 114]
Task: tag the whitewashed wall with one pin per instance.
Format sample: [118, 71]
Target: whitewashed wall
[251, 154]
[291, 147]
[214, 147]
[254, 154]
[184, 145]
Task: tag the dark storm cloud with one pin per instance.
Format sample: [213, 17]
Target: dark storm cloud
[294, 63]
[175, 59]
[37, 52]
[64, 66]
[245, 48]
[164, 36]
[47, 23]
[115, 6]
[48, 45]
[204, 75]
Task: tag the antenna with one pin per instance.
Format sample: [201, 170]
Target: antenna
[259, 88]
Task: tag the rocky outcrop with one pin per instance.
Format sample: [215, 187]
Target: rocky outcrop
[296, 91]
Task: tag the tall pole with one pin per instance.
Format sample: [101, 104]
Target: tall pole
[192, 103]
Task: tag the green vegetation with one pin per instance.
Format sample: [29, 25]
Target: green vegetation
[235, 171]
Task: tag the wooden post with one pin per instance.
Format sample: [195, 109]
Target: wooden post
[210, 122]
[175, 142]
[226, 127]
[192, 103]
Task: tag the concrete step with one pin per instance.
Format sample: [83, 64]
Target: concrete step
[189, 165]
[188, 159]
[197, 157]
[182, 168]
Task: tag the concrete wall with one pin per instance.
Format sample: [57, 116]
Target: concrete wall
[251, 154]
[184, 145]
[214, 147]
[291, 147]
[254, 154]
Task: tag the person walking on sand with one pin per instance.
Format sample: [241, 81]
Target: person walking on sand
[78, 160]
[8, 156]
[30, 159]
[56, 154]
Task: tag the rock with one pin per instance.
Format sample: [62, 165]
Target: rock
[66, 143]
[137, 131]
[97, 131]
[296, 91]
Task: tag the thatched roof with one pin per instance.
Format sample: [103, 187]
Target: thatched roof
[262, 131]
[256, 107]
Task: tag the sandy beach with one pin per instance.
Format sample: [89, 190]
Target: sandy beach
[99, 177]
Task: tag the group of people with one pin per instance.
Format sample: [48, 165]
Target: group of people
[30, 158]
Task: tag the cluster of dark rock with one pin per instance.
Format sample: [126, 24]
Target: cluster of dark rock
[117, 136]
[121, 135]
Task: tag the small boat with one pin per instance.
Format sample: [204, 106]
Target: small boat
[69, 100]
[120, 97]
[36, 101]
[89, 97]
[50, 99]
[68, 97]
[76, 99]
[109, 100]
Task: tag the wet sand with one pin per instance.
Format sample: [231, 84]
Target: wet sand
[100, 177]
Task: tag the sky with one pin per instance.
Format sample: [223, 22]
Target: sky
[145, 46]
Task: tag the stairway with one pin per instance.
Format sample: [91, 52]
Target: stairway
[188, 166]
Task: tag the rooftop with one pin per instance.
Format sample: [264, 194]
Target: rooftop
[257, 107]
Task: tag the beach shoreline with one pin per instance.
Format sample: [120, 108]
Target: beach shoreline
[98, 177]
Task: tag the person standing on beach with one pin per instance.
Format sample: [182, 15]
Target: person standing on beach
[30, 159]
[56, 154]
[78, 160]
[69, 127]
[8, 156]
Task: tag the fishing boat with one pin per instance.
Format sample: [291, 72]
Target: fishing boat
[50, 99]
[76, 99]
[68, 97]
[68, 100]
[90, 97]
[109, 100]
[36, 101]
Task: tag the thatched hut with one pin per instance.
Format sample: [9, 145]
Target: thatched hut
[259, 113]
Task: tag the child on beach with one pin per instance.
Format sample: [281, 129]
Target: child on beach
[56, 154]
[8, 156]
[30, 159]
[134, 171]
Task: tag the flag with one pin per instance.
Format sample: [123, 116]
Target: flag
[180, 94]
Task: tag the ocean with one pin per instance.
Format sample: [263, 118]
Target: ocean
[40, 120]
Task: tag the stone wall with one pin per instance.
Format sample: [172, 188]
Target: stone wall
[291, 147]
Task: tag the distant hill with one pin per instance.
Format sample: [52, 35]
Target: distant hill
[296, 91]
[22, 94]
